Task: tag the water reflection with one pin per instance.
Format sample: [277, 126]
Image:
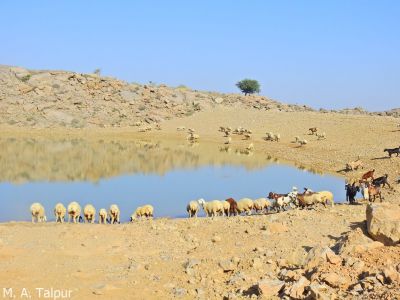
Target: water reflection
[40, 159]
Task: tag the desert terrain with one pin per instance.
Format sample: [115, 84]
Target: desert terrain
[320, 253]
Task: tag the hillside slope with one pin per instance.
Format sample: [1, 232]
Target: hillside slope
[45, 99]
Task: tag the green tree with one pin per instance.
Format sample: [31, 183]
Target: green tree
[248, 86]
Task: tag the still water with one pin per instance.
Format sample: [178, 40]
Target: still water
[131, 173]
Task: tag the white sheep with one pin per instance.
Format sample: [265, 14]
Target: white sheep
[321, 136]
[89, 213]
[225, 208]
[276, 137]
[193, 137]
[114, 213]
[247, 136]
[269, 136]
[74, 212]
[250, 147]
[148, 210]
[260, 204]
[302, 142]
[38, 212]
[60, 212]
[102, 216]
[211, 208]
[143, 211]
[192, 208]
[245, 205]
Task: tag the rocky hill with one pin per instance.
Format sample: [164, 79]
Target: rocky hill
[43, 99]
[66, 99]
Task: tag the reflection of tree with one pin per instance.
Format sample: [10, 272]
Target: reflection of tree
[28, 159]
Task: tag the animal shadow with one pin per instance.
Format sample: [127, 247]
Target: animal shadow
[362, 225]
[253, 290]
[382, 157]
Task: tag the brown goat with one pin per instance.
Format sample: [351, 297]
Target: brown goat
[374, 191]
[369, 174]
[233, 209]
[313, 130]
[274, 196]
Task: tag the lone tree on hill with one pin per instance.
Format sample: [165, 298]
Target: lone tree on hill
[248, 86]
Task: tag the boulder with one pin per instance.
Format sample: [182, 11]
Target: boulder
[383, 223]
[317, 256]
[270, 287]
[356, 241]
[219, 100]
[296, 291]
[318, 292]
[226, 265]
[334, 280]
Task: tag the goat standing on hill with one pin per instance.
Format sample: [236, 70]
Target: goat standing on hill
[313, 130]
[383, 180]
[374, 191]
[392, 151]
[369, 174]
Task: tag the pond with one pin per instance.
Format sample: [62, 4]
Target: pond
[132, 173]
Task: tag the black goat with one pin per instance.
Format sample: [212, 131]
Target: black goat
[383, 180]
[351, 192]
[393, 151]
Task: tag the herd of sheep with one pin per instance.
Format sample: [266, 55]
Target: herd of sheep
[247, 134]
[74, 211]
[229, 207]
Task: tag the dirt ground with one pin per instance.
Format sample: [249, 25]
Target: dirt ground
[204, 258]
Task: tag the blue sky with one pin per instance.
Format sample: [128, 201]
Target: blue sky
[322, 53]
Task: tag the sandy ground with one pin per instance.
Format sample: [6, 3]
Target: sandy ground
[147, 260]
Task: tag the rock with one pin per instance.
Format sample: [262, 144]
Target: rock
[391, 275]
[383, 223]
[257, 263]
[219, 100]
[128, 96]
[333, 279]
[357, 288]
[191, 262]
[216, 239]
[179, 292]
[290, 275]
[317, 256]
[356, 242]
[277, 228]
[270, 287]
[236, 278]
[226, 265]
[297, 289]
[369, 283]
[333, 258]
[358, 266]
[318, 292]
[281, 262]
